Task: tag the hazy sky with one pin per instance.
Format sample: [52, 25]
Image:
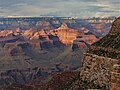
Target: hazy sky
[69, 8]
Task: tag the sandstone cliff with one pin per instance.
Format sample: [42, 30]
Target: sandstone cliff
[66, 35]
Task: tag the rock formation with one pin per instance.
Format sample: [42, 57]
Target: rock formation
[100, 68]
[66, 35]
[80, 44]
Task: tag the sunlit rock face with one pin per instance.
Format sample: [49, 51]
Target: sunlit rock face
[66, 35]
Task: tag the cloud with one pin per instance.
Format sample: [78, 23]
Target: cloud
[78, 8]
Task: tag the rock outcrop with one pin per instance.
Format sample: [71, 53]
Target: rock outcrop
[80, 44]
[66, 35]
[101, 63]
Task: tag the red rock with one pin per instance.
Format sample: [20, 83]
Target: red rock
[66, 35]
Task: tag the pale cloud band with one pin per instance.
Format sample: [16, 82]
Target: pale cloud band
[68, 8]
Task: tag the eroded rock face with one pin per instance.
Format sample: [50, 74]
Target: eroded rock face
[99, 63]
[80, 44]
[66, 35]
[90, 39]
[96, 71]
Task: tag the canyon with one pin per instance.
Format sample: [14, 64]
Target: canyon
[100, 68]
[34, 52]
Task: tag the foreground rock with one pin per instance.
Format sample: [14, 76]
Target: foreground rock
[100, 68]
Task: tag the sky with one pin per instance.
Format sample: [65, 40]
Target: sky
[64, 8]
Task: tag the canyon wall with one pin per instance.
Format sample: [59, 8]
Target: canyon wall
[101, 64]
